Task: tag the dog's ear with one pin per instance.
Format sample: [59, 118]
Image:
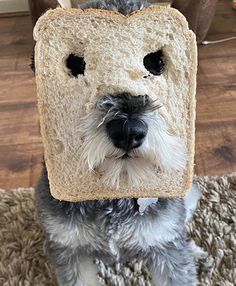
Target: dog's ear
[32, 63]
[65, 3]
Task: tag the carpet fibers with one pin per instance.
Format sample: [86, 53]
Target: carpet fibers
[23, 263]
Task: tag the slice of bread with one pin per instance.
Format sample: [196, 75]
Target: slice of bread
[113, 46]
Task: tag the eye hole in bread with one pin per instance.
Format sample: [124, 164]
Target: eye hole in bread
[154, 62]
[76, 65]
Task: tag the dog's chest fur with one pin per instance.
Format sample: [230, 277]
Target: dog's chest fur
[116, 231]
[110, 227]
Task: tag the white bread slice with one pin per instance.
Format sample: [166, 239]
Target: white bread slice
[113, 46]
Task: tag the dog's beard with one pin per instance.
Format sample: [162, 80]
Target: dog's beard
[160, 152]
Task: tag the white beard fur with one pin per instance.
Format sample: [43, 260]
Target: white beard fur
[160, 151]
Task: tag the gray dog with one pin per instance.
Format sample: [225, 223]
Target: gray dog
[118, 230]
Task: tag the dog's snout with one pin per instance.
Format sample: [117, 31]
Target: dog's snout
[127, 134]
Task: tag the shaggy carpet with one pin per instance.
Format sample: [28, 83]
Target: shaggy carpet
[23, 263]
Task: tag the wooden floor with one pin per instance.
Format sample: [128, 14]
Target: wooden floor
[20, 144]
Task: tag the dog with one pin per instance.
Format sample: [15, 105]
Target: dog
[120, 137]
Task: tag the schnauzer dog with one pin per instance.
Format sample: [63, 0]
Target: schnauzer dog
[120, 139]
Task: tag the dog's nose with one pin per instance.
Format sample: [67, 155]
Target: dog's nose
[127, 134]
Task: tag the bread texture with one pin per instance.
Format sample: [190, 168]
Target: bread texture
[113, 46]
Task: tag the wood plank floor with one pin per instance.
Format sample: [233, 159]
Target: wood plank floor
[20, 144]
[216, 98]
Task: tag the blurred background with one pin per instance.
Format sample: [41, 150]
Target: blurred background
[21, 150]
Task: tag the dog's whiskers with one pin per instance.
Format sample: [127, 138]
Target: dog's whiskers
[104, 118]
[107, 115]
[102, 121]
[156, 107]
[116, 113]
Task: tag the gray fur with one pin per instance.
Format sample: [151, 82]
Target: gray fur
[123, 6]
[115, 230]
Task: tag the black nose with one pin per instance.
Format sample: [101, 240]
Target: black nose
[127, 134]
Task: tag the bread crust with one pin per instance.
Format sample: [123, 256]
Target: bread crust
[51, 14]
[101, 192]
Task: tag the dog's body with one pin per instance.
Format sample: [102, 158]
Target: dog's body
[121, 139]
[115, 231]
